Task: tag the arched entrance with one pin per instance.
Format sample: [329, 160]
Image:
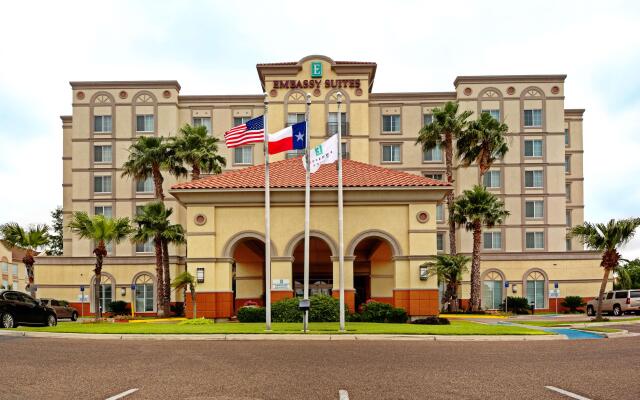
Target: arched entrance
[248, 283]
[373, 271]
[320, 267]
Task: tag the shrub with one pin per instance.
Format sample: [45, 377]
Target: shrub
[251, 314]
[355, 317]
[118, 307]
[397, 315]
[286, 310]
[573, 303]
[517, 305]
[177, 309]
[432, 321]
[374, 311]
[197, 321]
[324, 308]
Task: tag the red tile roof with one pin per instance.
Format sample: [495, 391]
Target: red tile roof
[290, 174]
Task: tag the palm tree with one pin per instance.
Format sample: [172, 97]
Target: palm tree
[606, 239]
[101, 230]
[184, 280]
[32, 238]
[483, 142]
[197, 149]
[474, 209]
[447, 124]
[148, 156]
[449, 269]
[153, 224]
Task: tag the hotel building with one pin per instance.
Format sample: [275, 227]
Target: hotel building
[395, 219]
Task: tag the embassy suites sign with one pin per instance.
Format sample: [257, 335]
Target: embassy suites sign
[316, 83]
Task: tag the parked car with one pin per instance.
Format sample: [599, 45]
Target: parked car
[617, 302]
[62, 308]
[18, 308]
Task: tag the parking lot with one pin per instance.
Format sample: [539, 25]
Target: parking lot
[102, 369]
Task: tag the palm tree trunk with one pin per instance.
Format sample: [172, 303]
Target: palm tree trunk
[166, 301]
[193, 300]
[448, 150]
[454, 297]
[603, 287]
[475, 267]
[99, 252]
[28, 264]
[195, 172]
[159, 280]
[157, 182]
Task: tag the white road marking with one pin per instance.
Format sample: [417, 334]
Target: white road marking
[123, 394]
[566, 393]
[344, 395]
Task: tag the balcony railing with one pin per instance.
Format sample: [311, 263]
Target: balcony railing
[332, 128]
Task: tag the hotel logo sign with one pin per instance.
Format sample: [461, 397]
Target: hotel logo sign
[316, 69]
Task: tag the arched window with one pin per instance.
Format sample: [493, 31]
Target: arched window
[535, 289]
[492, 291]
[144, 293]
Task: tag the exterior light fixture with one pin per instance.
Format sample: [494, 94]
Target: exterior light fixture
[200, 275]
[123, 291]
[424, 272]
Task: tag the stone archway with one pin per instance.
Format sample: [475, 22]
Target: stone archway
[320, 265]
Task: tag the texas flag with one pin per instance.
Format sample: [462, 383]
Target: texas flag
[293, 137]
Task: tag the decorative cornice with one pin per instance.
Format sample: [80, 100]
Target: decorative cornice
[404, 96]
[124, 84]
[508, 79]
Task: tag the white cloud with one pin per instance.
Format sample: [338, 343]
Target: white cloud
[212, 47]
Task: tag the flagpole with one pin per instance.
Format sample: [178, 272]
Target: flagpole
[340, 215]
[307, 207]
[267, 222]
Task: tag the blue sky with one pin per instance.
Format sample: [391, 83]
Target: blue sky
[212, 48]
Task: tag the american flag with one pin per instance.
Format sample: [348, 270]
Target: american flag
[250, 132]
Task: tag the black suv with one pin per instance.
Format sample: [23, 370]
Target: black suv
[18, 308]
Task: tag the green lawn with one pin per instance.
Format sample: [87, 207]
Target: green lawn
[456, 328]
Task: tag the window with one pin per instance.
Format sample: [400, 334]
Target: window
[243, 155]
[534, 209]
[102, 154]
[294, 154]
[492, 179]
[391, 123]
[102, 184]
[240, 120]
[332, 125]
[567, 189]
[434, 154]
[567, 164]
[107, 211]
[533, 148]
[492, 291]
[440, 212]
[203, 121]
[106, 296]
[427, 119]
[494, 113]
[14, 270]
[566, 136]
[621, 295]
[5, 268]
[609, 295]
[533, 118]
[534, 240]
[568, 218]
[634, 294]
[294, 118]
[568, 244]
[492, 240]
[391, 153]
[440, 241]
[5, 284]
[438, 176]
[147, 247]
[144, 293]
[139, 210]
[145, 186]
[144, 123]
[533, 179]
[535, 289]
[344, 148]
[102, 123]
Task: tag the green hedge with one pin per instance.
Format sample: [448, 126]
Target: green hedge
[251, 314]
[286, 310]
[517, 305]
[324, 309]
[118, 307]
[573, 303]
[375, 311]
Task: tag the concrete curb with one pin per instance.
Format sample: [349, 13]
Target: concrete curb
[294, 337]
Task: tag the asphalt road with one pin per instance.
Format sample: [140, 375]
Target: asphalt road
[98, 369]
